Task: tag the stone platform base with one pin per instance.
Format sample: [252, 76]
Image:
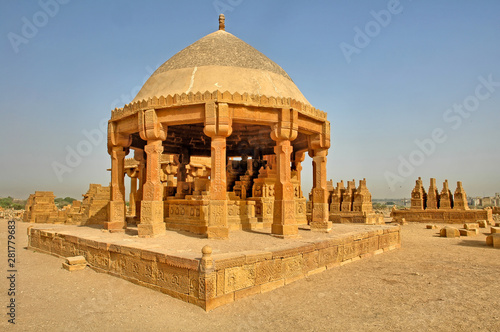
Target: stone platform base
[248, 263]
[357, 217]
[443, 216]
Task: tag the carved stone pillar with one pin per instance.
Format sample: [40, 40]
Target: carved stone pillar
[151, 130]
[182, 176]
[133, 174]
[152, 204]
[299, 157]
[319, 221]
[318, 150]
[118, 144]
[218, 126]
[217, 226]
[116, 209]
[284, 223]
[133, 193]
[141, 176]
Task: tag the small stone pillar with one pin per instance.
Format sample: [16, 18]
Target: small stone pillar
[133, 193]
[299, 157]
[418, 196]
[133, 174]
[433, 195]
[207, 278]
[460, 198]
[320, 216]
[337, 194]
[182, 174]
[348, 196]
[445, 198]
[362, 198]
[141, 176]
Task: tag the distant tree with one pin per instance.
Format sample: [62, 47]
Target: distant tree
[69, 199]
[23, 202]
[62, 202]
[390, 203]
[17, 206]
[6, 203]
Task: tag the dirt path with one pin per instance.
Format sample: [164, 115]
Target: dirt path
[430, 284]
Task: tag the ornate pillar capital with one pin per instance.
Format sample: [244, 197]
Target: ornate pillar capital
[150, 127]
[117, 139]
[218, 120]
[287, 126]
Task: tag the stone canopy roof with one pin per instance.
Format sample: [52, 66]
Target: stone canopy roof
[220, 61]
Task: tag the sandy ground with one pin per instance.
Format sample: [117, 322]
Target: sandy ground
[430, 284]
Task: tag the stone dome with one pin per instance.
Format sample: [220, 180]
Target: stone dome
[220, 61]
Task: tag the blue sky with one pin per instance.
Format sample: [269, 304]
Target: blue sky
[422, 67]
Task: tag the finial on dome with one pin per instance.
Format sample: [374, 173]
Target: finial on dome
[222, 22]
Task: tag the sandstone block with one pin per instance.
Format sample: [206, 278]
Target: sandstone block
[468, 232]
[471, 225]
[432, 227]
[492, 239]
[496, 241]
[237, 278]
[449, 232]
[218, 301]
[267, 287]
[75, 260]
[495, 230]
[73, 267]
[267, 271]
[247, 292]
[483, 223]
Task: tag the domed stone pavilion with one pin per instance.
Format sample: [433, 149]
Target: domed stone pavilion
[223, 99]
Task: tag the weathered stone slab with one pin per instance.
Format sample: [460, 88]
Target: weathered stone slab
[239, 277]
[267, 271]
[72, 268]
[76, 260]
